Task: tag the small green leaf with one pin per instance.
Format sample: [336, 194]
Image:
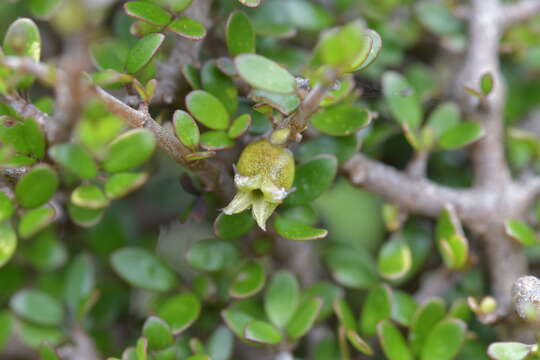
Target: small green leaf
[23, 39]
[392, 342]
[6, 328]
[351, 267]
[395, 259]
[208, 110]
[438, 18]
[359, 343]
[262, 73]
[425, 318]
[451, 240]
[461, 135]
[326, 291]
[79, 282]
[239, 126]
[84, 217]
[445, 340]
[220, 345]
[33, 335]
[212, 255]
[509, 351]
[37, 186]
[376, 307]
[180, 311]
[284, 103]
[186, 129]
[216, 140]
[119, 185]
[341, 120]
[109, 55]
[147, 12]
[486, 83]
[37, 307]
[192, 76]
[44, 8]
[444, 117]
[200, 155]
[262, 332]
[249, 280]
[229, 227]
[403, 307]
[158, 333]
[143, 51]
[342, 147]
[141, 349]
[240, 314]
[89, 197]
[188, 28]
[129, 150]
[240, 34]
[344, 314]
[6, 207]
[402, 100]
[25, 136]
[303, 319]
[35, 220]
[521, 232]
[376, 46]
[312, 178]
[281, 298]
[296, 230]
[140, 268]
[8, 243]
[74, 158]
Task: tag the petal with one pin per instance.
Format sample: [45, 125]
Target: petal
[247, 183]
[241, 201]
[262, 210]
[273, 193]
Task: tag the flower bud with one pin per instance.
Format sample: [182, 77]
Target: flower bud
[264, 175]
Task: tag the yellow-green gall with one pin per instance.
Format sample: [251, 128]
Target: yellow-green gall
[264, 174]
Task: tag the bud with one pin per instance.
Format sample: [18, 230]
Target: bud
[264, 175]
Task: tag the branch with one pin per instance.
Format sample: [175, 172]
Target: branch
[519, 12]
[184, 52]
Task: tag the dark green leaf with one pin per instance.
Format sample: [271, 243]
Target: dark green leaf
[425, 318]
[212, 255]
[37, 186]
[240, 34]
[312, 178]
[342, 147]
[142, 269]
[74, 158]
[47, 352]
[341, 120]
[303, 319]
[37, 307]
[208, 110]
[295, 230]
[143, 51]
[188, 28]
[129, 150]
[44, 8]
[327, 292]
[79, 282]
[230, 227]
[158, 333]
[180, 311]
[445, 340]
[249, 280]
[264, 74]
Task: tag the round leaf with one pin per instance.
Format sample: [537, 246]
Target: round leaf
[188, 28]
[296, 230]
[89, 197]
[119, 185]
[158, 333]
[304, 318]
[230, 227]
[143, 51]
[445, 340]
[249, 281]
[392, 342]
[129, 150]
[461, 135]
[8, 243]
[341, 120]
[37, 307]
[264, 74]
[262, 332]
[240, 34]
[395, 259]
[186, 129]
[37, 186]
[180, 311]
[312, 178]
[281, 298]
[140, 268]
[35, 220]
[147, 12]
[212, 255]
[208, 110]
[74, 158]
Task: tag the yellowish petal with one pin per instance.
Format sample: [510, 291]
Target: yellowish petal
[241, 201]
[262, 210]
